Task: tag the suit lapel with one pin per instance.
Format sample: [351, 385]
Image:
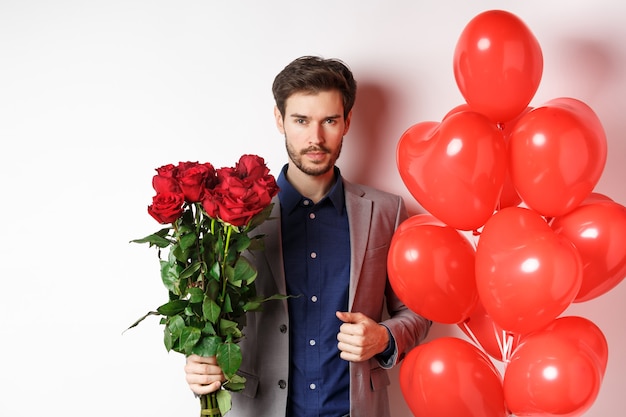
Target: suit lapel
[273, 252]
[360, 217]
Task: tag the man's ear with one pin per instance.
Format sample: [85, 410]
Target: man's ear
[279, 120]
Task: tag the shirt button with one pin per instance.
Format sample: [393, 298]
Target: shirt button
[313, 255]
[312, 386]
[312, 342]
[283, 328]
[311, 216]
[282, 384]
[314, 298]
[306, 202]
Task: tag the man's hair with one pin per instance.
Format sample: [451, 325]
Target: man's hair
[311, 75]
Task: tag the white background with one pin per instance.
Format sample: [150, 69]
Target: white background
[96, 94]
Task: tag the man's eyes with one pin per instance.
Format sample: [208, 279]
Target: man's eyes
[329, 121]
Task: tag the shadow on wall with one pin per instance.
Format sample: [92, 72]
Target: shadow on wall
[596, 67]
[365, 141]
[370, 146]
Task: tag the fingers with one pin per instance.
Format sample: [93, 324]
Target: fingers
[202, 374]
[212, 360]
[360, 337]
[348, 317]
[205, 389]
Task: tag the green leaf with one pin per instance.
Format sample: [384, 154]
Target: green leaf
[196, 295]
[210, 310]
[252, 306]
[207, 346]
[190, 270]
[188, 338]
[242, 243]
[170, 273]
[255, 303]
[212, 289]
[229, 273]
[175, 326]
[229, 327]
[187, 241]
[229, 358]
[224, 401]
[244, 270]
[215, 271]
[168, 339]
[173, 307]
[227, 307]
[259, 218]
[236, 383]
[208, 328]
[150, 313]
[156, 239]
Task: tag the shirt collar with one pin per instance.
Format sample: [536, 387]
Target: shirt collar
[290, 198]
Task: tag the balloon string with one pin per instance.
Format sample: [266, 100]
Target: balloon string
[470, 333]
[500, 342]
[508, 346]
[505, 344]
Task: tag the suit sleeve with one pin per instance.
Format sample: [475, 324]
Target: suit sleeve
[407, 328]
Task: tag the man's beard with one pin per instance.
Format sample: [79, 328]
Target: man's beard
[316, 169]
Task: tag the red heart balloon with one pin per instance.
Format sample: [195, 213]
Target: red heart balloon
[431, 269]
[550, 375]
[526, 274]
[557, 153]
[585, 335]
[509, 196]
[598, 229]
[451, 377]
[455, 169]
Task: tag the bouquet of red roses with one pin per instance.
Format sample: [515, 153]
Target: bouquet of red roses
[210, 214]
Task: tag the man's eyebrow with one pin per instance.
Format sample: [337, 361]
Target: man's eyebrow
[302, 116]
[298, 116]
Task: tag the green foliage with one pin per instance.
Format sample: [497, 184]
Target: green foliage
[210, 284]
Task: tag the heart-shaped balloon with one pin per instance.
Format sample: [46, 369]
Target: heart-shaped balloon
[526, 274]
[598, 229]
[509, 196]
[455, 169]
[557, 153]
[551, 375]
[431, 269]
[451, 377]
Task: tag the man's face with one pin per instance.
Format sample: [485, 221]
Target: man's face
[314, 127]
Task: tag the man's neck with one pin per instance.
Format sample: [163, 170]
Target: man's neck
[313, 187]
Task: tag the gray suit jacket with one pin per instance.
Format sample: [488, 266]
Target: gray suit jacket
[373, 216]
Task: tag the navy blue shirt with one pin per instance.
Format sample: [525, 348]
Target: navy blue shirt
[316, 252]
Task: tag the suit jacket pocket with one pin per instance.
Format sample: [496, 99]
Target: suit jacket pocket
[252, 384]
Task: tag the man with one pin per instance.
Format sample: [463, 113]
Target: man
[323, 353]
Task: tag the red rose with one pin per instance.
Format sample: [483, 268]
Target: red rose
[194, 178]
[252, 167]
[166, 207]
[164, 181]
[168, 170]
[236, 200]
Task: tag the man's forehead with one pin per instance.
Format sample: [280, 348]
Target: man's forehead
[326, 104]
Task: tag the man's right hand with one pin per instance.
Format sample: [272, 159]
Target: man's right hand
[203, 374]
